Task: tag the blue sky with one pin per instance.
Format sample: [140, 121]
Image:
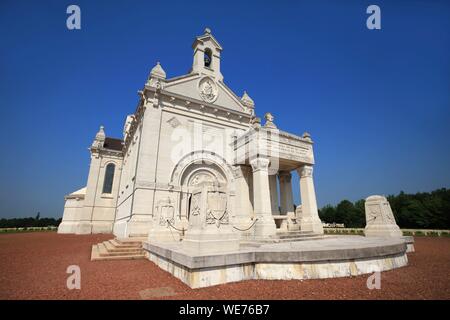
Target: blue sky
[376, 102]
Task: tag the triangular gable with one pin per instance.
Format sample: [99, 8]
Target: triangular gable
[204, 38]
[188, 87]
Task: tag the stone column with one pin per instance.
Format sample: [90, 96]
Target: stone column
[286, 199]
[265, 226]
[274, 194]
[309, 220]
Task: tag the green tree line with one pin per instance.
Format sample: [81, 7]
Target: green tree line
[424, 210]
[29, 222]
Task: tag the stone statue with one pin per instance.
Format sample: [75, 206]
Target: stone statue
[380, 221]
[269, 120]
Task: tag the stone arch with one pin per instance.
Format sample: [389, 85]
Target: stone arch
[205, 160]
[197, 173]
[107, 162]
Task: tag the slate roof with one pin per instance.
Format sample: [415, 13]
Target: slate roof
[113, 144]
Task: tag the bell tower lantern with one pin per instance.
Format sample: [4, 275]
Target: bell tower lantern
[207, 55]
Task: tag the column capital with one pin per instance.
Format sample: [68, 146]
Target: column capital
[285, 176]
[259, 164]
[305, 171]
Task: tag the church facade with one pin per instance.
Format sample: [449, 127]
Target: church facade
[195, 155]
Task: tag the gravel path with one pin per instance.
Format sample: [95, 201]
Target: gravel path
[33, 266]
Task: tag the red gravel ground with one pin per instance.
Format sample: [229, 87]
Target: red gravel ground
[33, 266]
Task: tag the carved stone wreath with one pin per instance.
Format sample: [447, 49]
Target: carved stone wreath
[208, 89]
[217, 212]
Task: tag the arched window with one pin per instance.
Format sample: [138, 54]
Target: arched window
[109, 178]
[208, 57]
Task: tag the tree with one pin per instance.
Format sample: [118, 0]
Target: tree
[328, 214]
[420, 210]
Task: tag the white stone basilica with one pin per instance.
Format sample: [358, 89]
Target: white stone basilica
[204, 190]
[193, 145]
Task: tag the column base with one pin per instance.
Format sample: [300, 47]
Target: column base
[310, 224]
[383, 231]
[265, 226]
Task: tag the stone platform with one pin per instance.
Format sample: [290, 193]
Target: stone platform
[329, 257]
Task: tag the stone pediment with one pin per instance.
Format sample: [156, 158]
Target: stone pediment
[205, 88]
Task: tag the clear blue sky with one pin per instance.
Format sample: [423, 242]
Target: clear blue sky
[377, 103]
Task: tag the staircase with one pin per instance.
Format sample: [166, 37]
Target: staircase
[119, 249]
[287, 236]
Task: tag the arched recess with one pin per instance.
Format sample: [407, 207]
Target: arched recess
[205, 160]
[197, 167]
[207, 59]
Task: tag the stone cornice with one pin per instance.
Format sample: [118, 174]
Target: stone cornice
[109, 152]
[138, 115]
[165, 98]
[271, 132]
[205, 107]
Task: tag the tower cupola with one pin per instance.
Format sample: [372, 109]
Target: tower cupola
[207, 55]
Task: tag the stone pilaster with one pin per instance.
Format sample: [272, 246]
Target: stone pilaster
[85, 224]
[141, 217]
[265, 226]
[309, 220]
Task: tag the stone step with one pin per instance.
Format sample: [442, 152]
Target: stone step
[137, 236]
[302, 238]
[110, 247]
[293, 237]
[294, 234]
[130, 241]
[125, 245]
[116, 249]
[94, 252]
[96, 257]
[105, 251]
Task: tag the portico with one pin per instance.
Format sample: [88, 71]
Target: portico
[272, 155]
